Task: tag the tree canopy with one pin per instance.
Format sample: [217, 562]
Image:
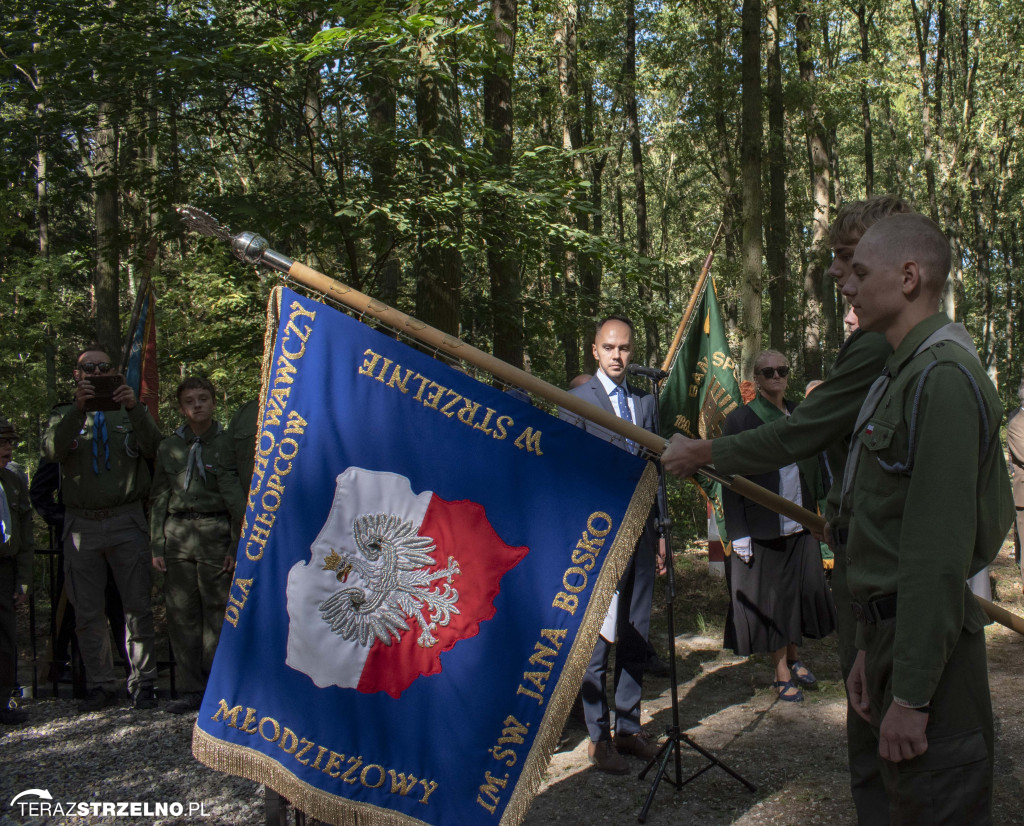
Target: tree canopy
[504, 172]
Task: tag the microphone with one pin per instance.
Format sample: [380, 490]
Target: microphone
[652, 373]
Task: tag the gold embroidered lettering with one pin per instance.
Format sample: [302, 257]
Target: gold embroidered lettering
[369, 364]
[250, 720]
[356, 763]
[228, 715]
[334, 761]
[400, 383]
[448, 409]
[307, 747]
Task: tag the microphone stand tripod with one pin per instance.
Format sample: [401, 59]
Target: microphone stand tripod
[672, 747]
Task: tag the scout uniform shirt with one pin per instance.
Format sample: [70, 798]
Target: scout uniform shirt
[219, 493]
[19, 543]
[932, 491]
[243, 429]
[102, 462]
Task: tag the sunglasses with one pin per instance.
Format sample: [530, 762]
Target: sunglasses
[6, 440]
[768, 372]
[90, 367]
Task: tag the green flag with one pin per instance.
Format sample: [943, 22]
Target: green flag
[701, 389]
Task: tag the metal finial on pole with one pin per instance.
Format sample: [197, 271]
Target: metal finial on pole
[247, 246]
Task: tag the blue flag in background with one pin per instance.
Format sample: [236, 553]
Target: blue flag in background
[423, 572]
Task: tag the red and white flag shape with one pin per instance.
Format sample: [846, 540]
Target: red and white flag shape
[395, 578]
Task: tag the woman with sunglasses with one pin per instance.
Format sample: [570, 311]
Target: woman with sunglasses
[776, 580]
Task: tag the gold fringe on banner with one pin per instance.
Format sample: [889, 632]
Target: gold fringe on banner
[242, 761]
[245, 762]
[267, 368]
[269, 340]
[571, 677]
[253, 765]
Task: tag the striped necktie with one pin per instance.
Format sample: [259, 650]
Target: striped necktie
[624, 413]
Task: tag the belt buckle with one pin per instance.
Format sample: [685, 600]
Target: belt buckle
[863, 613]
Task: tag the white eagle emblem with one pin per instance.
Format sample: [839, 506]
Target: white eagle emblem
[395, 584]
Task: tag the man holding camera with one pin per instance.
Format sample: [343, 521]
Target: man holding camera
[101, 442]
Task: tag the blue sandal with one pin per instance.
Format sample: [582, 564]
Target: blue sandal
[801, 673]
[784, 686]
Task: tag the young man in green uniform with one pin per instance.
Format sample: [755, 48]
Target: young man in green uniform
[929, 501]
[823, 422]
[242, 429]
[16, 549]
[104, 481]
[194, 518]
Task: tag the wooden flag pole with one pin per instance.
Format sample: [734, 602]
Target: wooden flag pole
[253, 249]
[513, 375]
[694, 296]
[402, 322]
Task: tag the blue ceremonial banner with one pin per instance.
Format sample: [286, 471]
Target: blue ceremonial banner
[424, 568]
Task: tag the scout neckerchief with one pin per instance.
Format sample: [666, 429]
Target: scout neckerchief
[195, 453]
[99, 437]
[952, 331]
[6, 525]
[768, 412]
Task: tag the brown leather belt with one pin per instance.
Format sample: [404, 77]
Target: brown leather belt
[198, 514]
[105, 513]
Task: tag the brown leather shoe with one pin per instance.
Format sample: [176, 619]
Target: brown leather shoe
[639, 745]
[605, 758]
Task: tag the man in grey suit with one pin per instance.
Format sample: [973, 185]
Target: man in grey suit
[613, 349]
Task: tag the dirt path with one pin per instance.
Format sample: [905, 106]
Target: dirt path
[794, 753]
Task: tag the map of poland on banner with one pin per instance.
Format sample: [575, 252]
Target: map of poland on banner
[395, 578]
[423, 571]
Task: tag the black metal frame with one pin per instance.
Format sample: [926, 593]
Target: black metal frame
[675, 736]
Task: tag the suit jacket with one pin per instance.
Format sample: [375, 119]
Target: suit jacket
[643, 404]
[742, 516]
[593, 391]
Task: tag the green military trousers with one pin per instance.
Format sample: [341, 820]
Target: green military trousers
[866, 786]
[951, 783]
[196, 588]
[90, 544]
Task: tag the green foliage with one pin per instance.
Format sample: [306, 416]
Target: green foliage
[309, 123]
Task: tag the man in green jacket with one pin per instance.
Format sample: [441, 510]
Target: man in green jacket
[242, 429]
[104, 481]
[823, 422]
[16, 549]
[194, 517]
[928, 496]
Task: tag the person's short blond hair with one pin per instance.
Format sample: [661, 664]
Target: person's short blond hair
[854, 218]
[918, 237]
